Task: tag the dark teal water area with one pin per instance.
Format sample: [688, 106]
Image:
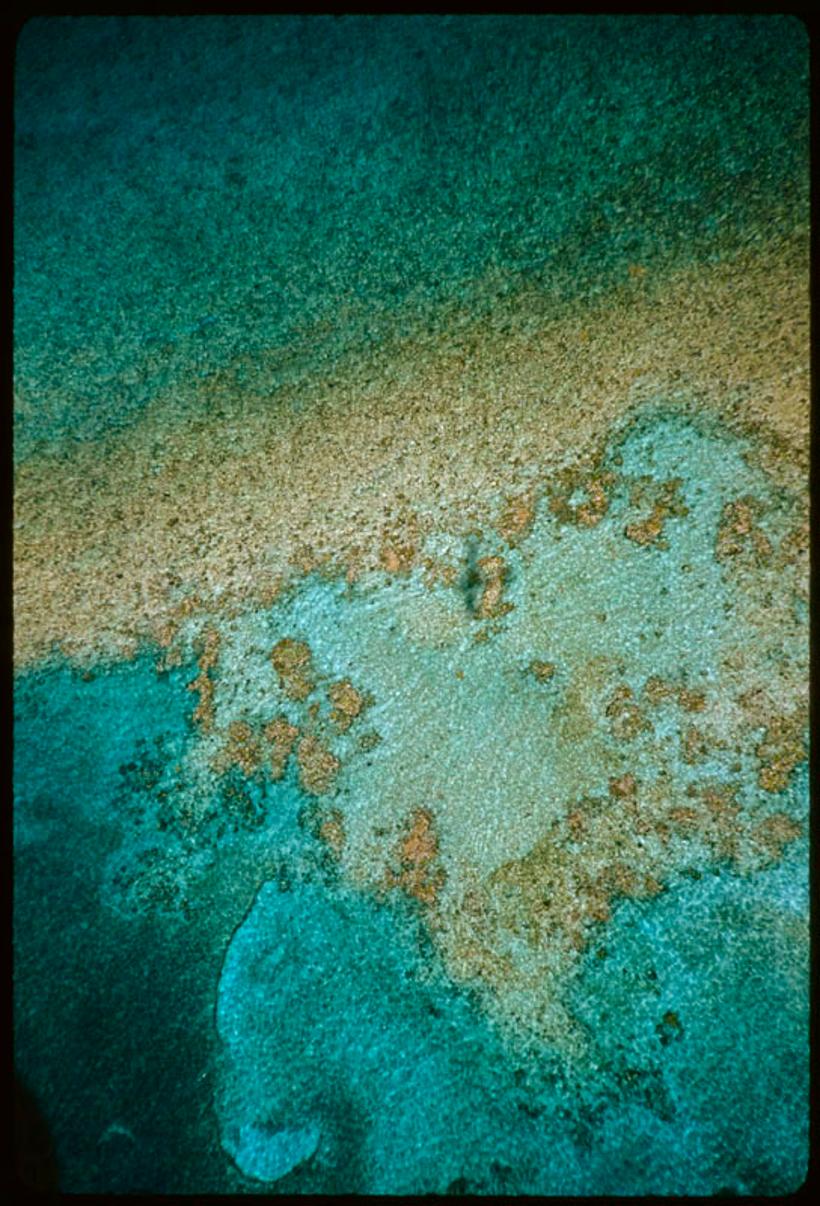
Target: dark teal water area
[111, 1018]
[190, 194]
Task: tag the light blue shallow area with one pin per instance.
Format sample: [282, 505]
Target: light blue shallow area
[720, 1095]
[465, 729]
[316, 992]
[333, 1018]
[326, 1020]
[268, 1157]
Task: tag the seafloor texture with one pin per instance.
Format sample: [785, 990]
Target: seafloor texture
[411, 528]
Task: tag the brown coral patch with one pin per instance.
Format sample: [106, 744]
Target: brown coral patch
[242, 748]
[332, 832]
[204, 710]
[693, 745]
[436, 570]
[420, 875]
[203, 684]
[280, 736]
[666, 503]
[771, 835]
[589, 512]
[317, 765]
[780, 751]
[738, 530]
[794, 551]
[292, 662]
[648, 531]
[712, 816]
[543, 671]
[691, 701]
[623, 788]
[516, 518]
[347, 704]
[171, 659]
[165, 632]
[685, 818]
[493, 573]
[210, 648]
[626, 720]
[657, 690]
[469, 951]
[547, 898]
[577, 824]
[619, 879]
[269, 593]
[400, 544]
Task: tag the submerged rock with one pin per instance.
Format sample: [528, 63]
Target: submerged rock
[266, 1155]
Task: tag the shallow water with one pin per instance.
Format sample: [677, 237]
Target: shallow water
[411, 644]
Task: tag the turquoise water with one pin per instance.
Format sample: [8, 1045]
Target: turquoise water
[339, 1052]
[446, 1106]
[333, 1020]
[531, 916]
[197, 195]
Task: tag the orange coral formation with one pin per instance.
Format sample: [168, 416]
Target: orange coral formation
[399, 544]
[737, 527]
[780, 751]
[347, 704]
[292, 662]
[420, 875]
[649, 531]
[493, 573]
[516, 518]
[332, 832]
[280, 735]
[569, 482]
[317, 765]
